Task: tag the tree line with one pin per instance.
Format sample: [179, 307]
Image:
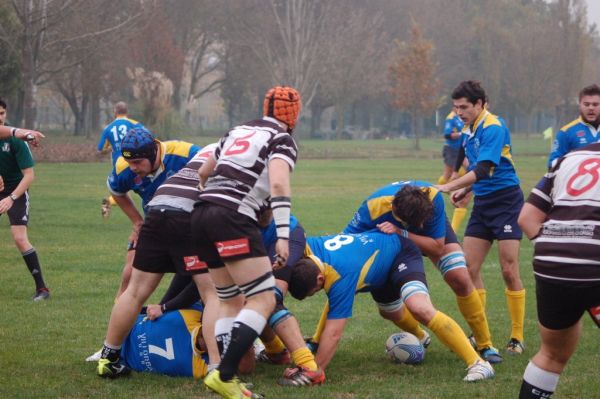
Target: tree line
[384, 65]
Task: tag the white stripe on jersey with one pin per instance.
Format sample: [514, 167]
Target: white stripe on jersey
[565, 279]
[562, 259]
[574, 222]
[541, 194]
[568, 240]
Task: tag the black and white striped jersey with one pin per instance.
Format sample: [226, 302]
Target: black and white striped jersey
[181, 189]
[240, 180]
[568, 246]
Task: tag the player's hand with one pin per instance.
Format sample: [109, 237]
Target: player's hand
[153, 312]
[388, 228]
[282, 251]
[33, 137]
[1, 184]
[457, 196]
[443, 188]
[135, 232]
[6, 204]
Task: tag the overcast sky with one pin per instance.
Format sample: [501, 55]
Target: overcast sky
[594, 11]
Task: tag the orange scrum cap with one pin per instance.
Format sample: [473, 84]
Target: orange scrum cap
[284, 104]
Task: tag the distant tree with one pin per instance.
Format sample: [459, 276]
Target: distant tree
[47, 40]
[414, 84]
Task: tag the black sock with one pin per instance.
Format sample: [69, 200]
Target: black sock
[242, 337]
[111, 354]
[529, 391]
[33, 264]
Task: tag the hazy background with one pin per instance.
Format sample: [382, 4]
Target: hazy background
[378, 69]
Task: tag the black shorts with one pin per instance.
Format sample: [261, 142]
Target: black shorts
[494, 216]
[221, 234]
[165, 245]
[450, 154]
[560, 306]
[407, 266]
[18, 214]
[450, 234]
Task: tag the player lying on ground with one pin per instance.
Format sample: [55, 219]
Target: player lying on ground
[172, 345]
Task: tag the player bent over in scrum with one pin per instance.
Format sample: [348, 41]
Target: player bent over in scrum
[391, 268]
[415, 209]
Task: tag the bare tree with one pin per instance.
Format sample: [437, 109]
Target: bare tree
[44, 40]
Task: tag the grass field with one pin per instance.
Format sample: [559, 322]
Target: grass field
[43, 345]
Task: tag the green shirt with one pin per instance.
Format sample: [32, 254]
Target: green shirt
[14, 157]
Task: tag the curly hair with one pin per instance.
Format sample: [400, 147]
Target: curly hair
[411, 204]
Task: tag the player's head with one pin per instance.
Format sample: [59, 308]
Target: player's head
[412, 205]
[139, 148]
[468, 100]
[589, 103]
[284, 104]
[121, 109]
[3, 107]
[306, 279]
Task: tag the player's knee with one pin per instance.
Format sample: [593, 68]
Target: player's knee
[415, 296]
[451, 261]
[261, 290]
[390, 311]
[226, 294]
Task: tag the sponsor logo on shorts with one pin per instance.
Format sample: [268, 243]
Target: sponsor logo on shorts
[233, 247]
[508, 228]
[6, 147]
[193, 263]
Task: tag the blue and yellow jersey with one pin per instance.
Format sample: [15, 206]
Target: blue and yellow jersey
[453, 124]
[352, 263]
[377, 208]
[113, 134]
[167, 345]
[174, 156]
[269, 233]
[573, 135]
[489, 140]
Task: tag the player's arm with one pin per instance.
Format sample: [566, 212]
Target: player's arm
[31, 136]
[531, 219]
[332, 334]
[128, 207]
[205, 171]
[24, 184]
[279, 183]
[428, 245]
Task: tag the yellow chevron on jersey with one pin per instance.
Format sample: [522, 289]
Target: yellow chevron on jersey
[381, 205]
[329, 273]
[176, 147]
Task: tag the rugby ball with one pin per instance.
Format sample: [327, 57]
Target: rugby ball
[404, 348]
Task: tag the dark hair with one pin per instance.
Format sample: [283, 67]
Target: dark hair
[591, 90]
[412, 205]
[3, 104]
[303, 278]
[471, 90]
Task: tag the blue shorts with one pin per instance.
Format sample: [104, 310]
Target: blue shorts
[408, 266]
[494, 216]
